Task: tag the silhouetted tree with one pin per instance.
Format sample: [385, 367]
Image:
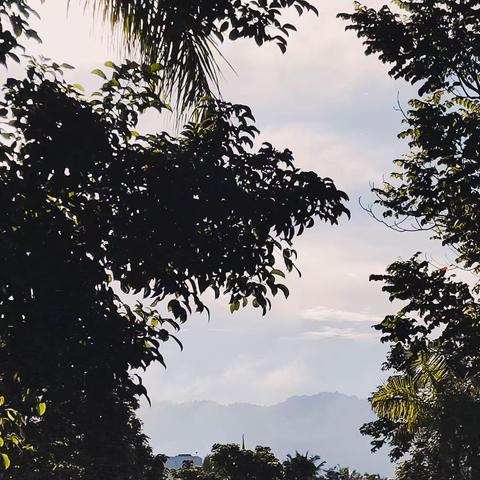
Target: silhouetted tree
[91, 207]
[302, 467]
[435, 188]
[188, 471]
[344, 473]
[430, 409]
[230, 462]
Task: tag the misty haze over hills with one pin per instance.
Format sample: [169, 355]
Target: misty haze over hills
[326, 424]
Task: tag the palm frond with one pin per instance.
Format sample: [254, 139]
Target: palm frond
[398, 400]
[176, 34]
[183, 36]
[431, 370]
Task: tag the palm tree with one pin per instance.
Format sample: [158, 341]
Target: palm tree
[407, 398]
[302, 467]
[177, 34]
[435, 413]
[183, 36]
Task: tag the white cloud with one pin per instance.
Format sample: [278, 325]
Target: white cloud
[315, 147]
[322, 313]
[245, 377]
[288, 378]
[321, 58]
[345, 333]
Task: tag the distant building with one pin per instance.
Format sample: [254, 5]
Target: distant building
[177, 461]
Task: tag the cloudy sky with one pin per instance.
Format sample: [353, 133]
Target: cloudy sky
[335, 108]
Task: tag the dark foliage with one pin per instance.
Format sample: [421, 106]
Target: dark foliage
[440, 316]
[436, 186]
[302, 467]
[430, 42]
[184, 36]
[14, 23]
[230, 462]
[91, 207]
[432, 403]
[88, 203]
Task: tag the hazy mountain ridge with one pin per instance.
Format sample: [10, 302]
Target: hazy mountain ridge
[325, 424]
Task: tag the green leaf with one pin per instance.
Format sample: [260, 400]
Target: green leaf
[41, 408]
[6, 461]
[275, 271]
[77, 86]
[99, 72]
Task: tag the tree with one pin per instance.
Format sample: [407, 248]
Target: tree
[188, 471]
[230, 462]
[91, 207]
[345, 473]
[430, 409]
[434, 44]
[302, 467]
[409, 398]
[184, 36]
[14, 23]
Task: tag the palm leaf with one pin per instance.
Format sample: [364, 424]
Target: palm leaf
[431, 370]
[398, 400]
[406, 398]
[183, 35]
[172, 33]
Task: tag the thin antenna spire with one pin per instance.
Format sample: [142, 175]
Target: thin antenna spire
[243, 441]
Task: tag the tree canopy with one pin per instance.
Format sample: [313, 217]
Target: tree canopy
[90, 207]
[230, 462]
[428, 410]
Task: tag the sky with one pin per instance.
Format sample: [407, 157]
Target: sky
[337, 111]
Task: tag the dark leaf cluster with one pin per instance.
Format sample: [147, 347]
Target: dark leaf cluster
[429, 408]
[427, 41]
[14, 24]
[440, 316]
[230, 462]
[91, 207]
[436, 185]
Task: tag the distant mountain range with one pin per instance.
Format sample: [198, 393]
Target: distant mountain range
[325, 424]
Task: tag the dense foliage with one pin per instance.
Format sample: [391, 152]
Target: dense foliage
[14, 23]
[91, 207]
[230, 462]
[429, 410]
[436, 44]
